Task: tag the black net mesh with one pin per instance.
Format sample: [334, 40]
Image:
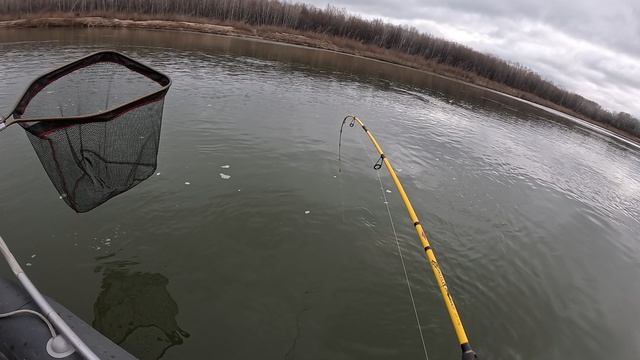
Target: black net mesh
[96, 126]
[89, 163]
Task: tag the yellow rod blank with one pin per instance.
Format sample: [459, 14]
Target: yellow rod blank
[468, 353]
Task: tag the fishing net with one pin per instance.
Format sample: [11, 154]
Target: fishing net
[95, 126]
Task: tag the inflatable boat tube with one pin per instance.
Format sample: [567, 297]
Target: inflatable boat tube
[24, 336]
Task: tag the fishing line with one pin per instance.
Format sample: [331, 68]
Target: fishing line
[395, 234]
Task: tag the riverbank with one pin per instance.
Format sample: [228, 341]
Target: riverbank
[284, 35]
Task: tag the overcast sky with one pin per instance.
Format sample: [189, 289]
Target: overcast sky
[591, 47]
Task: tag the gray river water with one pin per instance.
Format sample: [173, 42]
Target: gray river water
[534, 220]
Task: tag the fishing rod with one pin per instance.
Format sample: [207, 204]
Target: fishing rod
[467, 351]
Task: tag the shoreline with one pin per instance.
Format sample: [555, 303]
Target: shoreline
[315, 41]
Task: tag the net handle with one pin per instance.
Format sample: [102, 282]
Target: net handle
[44, 305]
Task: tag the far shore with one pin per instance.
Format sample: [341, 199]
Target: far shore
[307, 39]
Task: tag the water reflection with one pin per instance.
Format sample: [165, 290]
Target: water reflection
[136, 311]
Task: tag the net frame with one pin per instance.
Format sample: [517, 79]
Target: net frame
[43, 81]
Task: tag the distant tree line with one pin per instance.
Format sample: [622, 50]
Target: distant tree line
[337, 22]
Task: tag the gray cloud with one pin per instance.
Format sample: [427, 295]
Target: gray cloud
[591, 47]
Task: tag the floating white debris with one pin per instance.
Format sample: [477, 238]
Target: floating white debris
[32, 256]
[208, 105]
[225, 176]
[399, 170]
[225, 166]
[238, 189]
[307, 212]
[28, 264]
[157, 174]
[334, 176]
[187, 183]
[388, 191]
